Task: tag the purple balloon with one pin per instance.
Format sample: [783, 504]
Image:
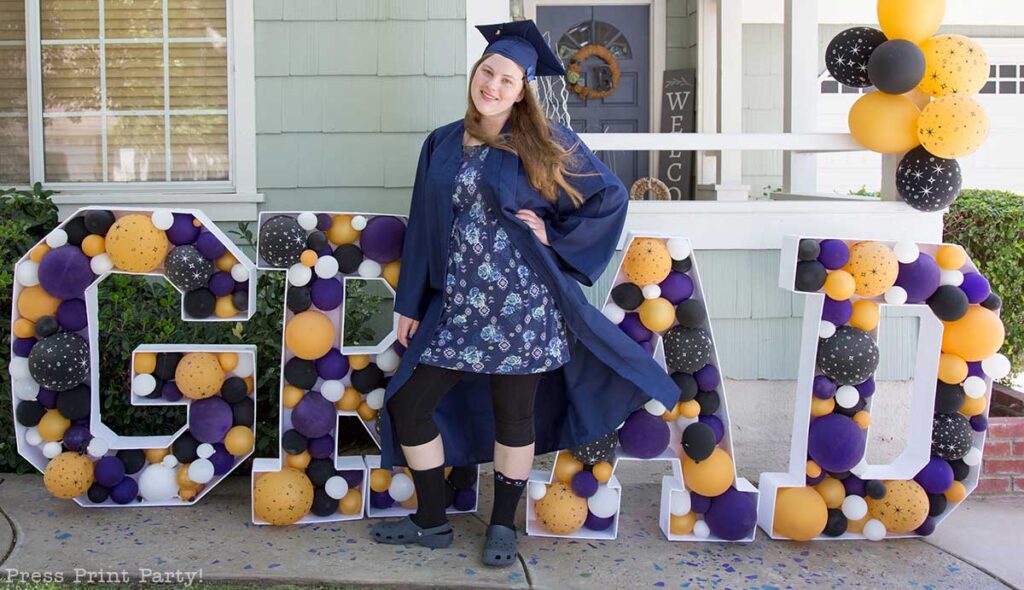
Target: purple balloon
[644, 435]
[979, 423]
[323, 221]
[698, 503]
[919, 279]
[382, 239]
[210, 419]
[209, 246]
[109, 471]
[676, 287]
[853, 485]
[222, 460]
[465, 499]
[321, 448]
[837, 312]
[243, 286]
[596, 523]
[836, 443]
[733, 515]
[71, 315]
[80, 421]
[170, 391]
[707, 378]
[125, 492]
[834, 254]
[221, 283]
[634, 328]
[314, 416]
[381, 500]
[65, 273]
[76, 438]
[353, 477]
[332, 365]
[823, 387]
[182, 231]
[926, 528]
[813, 481]
[584, 484]
[976, 287]
[23, 346]
[936, 476]
[867, 388]
[325, 251]
[47, 397]
[974, 369]
[327, 294]
[715, 423]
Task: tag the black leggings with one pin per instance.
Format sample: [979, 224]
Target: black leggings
[412, 406]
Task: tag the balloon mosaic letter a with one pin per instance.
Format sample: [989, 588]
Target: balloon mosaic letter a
[656, 300]
[830, 491]
[55, 359]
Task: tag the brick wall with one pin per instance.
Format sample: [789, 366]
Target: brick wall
[1003, 471]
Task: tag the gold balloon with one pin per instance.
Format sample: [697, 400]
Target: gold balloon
[94, 245]
[145, 362]
[366, 412]
[239, 440]
[800, 513]
[657, 314]
[953, 126]
[710, 477]
[561, 511]
[352, 502]
[682, 525]
[341, 231]
[380, 480]
[225, 307]
[68, 475]
[291, 396]
[156, 455]
[298, 461]
[903, 508]
[913, 20]
[647, 261]
[973, 406]
[34, 303]
[566, 467]
[953, 64]
[840, 285]
[865, 315]
[199, 375]
[974, 337]
[831, 491]
[952, 369]
[350, 400]
[135, 244]
[874, 267]
[358, 361]
[602, 471]
[822, 407]
[391, 271]
[885, 123]
[53, 425]
[309, 335]
[228, 360]
[950, 257]
[282, 497]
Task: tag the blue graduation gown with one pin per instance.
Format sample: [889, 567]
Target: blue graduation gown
[609, 375]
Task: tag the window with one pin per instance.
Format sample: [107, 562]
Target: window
[14, 153]
[1004, 79]
[593, 31]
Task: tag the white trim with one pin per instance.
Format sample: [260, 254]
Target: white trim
[740, 142]
[801, 89]
[218, 206]
[133, 41]
[958, 12]
[242, 96]
[34, 71]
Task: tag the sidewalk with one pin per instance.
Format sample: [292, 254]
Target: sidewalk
[977, 548]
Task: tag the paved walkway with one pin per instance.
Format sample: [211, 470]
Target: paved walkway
[41, 533]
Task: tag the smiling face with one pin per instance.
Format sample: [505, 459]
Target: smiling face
[497, 85]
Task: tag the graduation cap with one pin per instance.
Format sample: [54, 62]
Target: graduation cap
[523, 43]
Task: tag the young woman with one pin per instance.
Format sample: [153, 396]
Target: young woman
[504, 356]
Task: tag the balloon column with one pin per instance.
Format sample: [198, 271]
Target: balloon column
[923, 105]
[55, 359]
[657, 300]
[830, 491]
[322, 379]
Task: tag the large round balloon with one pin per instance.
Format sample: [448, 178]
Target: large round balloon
[314, 416]
[199, 375]
[952, 436]
[187, 269]
[847, 55]
[896, 66]
[873, 266]
[687, 349]
[59, 362]
[953, 126]
[34, 302]
[602, 449]
[913, 20]
[733, 515]
[68, 475]
[927, 182]
[282, 240]
[976, 336]
[382, 238]
[920, 278]
[561, 511]
[65, 273]
[309, 335]
[848, 357]
[135, 244]
[836, 442]
[954, 64]
[210, 419]
[282, 497]
[647, 261]
[903, 508]
[644, 435]
[800, 513]
[710, 477]
[885, 123]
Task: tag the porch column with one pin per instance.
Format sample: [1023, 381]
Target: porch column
[800, 110]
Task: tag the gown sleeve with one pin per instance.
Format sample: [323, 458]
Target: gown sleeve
[585, 239]
[413, 292]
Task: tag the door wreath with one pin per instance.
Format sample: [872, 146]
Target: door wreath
[576, 67]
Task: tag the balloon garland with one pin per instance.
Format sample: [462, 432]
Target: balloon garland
[832, 492]
[657, 300]
[322, 379]
[55, 360]
[923, 105]
[575, 69]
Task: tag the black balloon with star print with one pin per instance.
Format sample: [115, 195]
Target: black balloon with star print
[927, 182]
[848, 53]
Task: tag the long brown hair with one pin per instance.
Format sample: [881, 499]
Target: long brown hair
[546, 162]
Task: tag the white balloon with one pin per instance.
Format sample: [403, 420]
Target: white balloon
[375, 399]
[604, 503]
[307, 221]
[996, 366]
[57, 238]
[973, 457]
[369, 269]
[101, 263]
[97, 447]
[975, 387]
[954, 278]
[143, 384]
[336, 487]
[52, 449]
[537, 490]
[906, 252]
[163, 219]
[678, 249]
[299, 274]
[701, 529]
[33, 437]
[896, 296]
[200, 471]
[826, 329]
[241, 274]
[26, 389]
[614, 313]
[169, 460]
[27, 273]
[19, 368]
[401, 488]
[158, 483]
[359, 222]
[874, 530]
[205, 451]
[326, 267]
[652, 291]
[332, 390]
[680, 503]
[388, 360]
[854, 507]
[245, 366]
[847, 396]
[655, 407]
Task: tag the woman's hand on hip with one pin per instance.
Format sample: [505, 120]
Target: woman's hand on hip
[535, 223]
[406, 328]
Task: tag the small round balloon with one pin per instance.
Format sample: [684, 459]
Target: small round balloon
[687, 349]
[873, 266]
[896, 66]
[135, 244]
[187, 269]
[647, 261]
[281, 240]
[954, 64]
[59, 362]
[561, 511]
[847, 55]
[282, 497]
[885, 123]
[927, 182]
[913, 20]
[953, 126]
[849, 357]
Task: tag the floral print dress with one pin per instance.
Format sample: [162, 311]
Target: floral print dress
[498, 316]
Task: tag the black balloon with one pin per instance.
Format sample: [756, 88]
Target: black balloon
[99, 221]
[808, 249]
[319, 471]
[134, 460]
[687, 386]
[810, 276]
[927, 182]
[200, 303]
[683, 265]
[349, 257]
[628, 296]
[367, 379]
[240, 299]
[709, 402]
[602, 449]
[244, 413]
[323, 505]
[951, 436]
[691, 313]
[848, 357]
[463, 477]
[960, 469]
[686, 349]
[166, 365]
[47, 326]
[184, 448]
[936, 504]
[848, 54]
[294, 442]
[698, 441]
[59, 362]
[896, 66]
[317, 241]
[74, 403]
[187, 269]
[281, 241]
[299, 299]
[234, 390]
[836, 524]
[300, 372]
[157, 392]
[875, 489]
[76, 230]
[852, 411]
[948, 398]
[29, 413]
[993, 302]
[98, 494]
[949, 303]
